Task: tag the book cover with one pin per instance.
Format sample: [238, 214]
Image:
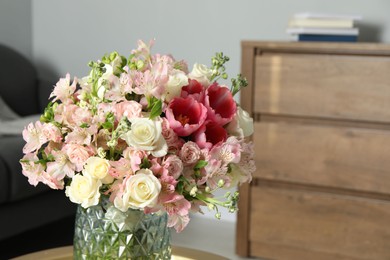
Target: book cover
[321, 23]
[313, 15]
[326, 38]
[327, 31]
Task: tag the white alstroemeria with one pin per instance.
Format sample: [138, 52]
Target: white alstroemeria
[146, 135]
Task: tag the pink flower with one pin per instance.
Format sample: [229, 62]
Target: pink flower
[63, 90]
[61, 166]
[190, 153]
[185, 115]
[220, 104]
[193, 89]
[52, 132]
[174, 166]
[78, 154]
[34, 136]
[120, 168]
[227, 152]
[81, 135]
[209, 134]
[129, 109]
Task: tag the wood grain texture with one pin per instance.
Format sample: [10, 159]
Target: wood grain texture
[330, 86]
[338, 157]
[293, 224]
[246, 102]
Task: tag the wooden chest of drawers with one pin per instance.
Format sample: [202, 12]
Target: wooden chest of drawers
[322, 144]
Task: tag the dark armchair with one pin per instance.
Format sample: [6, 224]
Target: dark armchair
[23, 206]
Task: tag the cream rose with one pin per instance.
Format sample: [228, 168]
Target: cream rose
[98, 168]
[84, 190]
[245, 121]
[146, 135]
[141, 190]
[175, 82]
[201, 73]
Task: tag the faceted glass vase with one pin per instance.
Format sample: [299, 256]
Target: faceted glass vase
[104, 232]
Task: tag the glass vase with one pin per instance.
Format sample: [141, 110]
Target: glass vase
[104, 232]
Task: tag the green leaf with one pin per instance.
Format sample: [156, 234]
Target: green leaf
[156, 109]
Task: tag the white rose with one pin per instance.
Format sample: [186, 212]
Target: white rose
[201, 73]
[245, 121]
[84, 190]
[146, 135]
[175, 82]
[141, 190]
[98, 168]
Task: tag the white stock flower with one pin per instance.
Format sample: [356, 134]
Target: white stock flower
[84, 190]
[201, 73]
[245, 121]
[141, 190]
[175, 82]
[98, 168]
[146, 135]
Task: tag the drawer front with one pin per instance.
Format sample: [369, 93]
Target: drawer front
[292, 224]
[329, 156]
[326, 86]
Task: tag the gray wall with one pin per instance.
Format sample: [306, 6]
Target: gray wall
[69, 33]
[15, 25]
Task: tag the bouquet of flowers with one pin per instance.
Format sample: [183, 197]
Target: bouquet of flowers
[147, 133]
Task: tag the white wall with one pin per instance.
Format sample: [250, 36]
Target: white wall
[67, 34]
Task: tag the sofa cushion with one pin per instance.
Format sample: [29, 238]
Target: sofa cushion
[17, 187]
[6, 113]
[18, 82]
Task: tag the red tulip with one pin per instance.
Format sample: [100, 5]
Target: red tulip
[220, 104]
[209, 134]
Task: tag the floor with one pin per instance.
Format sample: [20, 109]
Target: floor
[203, 234]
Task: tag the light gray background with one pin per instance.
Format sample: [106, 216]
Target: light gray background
[61, 36]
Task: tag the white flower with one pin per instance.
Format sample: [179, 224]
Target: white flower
[97, 168]
[201, 73]
[175, 82]
[84, 190]
[145, 134]
[245, 121]
[141, 190]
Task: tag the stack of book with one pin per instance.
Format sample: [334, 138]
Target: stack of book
[324, 27]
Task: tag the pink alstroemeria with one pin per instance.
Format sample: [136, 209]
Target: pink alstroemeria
[209, 134]
[185, 115]
[63, 90]
[61, 166]
[220, 104]
[227, 152]
[34, 136]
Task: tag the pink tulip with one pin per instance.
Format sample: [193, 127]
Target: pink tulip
[185, 115]
[194, 89]
[220, 104]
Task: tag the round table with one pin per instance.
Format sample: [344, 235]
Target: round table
[66, 253]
